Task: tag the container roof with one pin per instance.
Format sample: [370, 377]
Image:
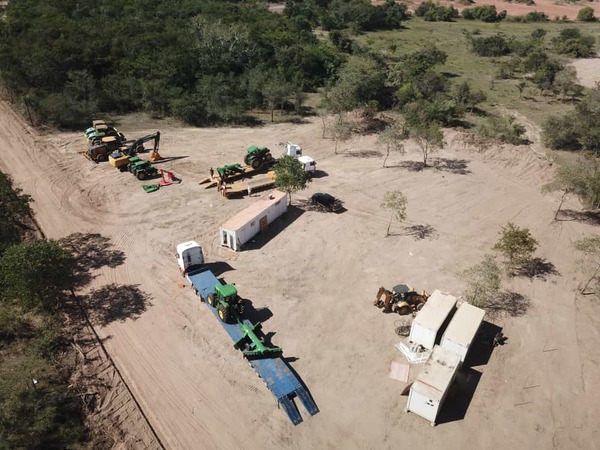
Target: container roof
[253, 211]
[185, 246]
[464, 324]
[437, 373]
[435, 311]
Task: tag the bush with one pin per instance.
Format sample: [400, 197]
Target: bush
[486, 13]
[490, 46]
[560, 133]
[586, 14]
[433, 12]
[503, 129]
[572, 42]
[534, 16]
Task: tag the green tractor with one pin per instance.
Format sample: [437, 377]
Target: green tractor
[229, 170]
[227, 301]
[258, 156]
[141, 169]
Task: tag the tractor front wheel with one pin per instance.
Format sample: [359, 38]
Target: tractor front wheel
[211, 299]
[102, 157]
[403, 309]
[223, 313]
[141, 176]
[255, 164]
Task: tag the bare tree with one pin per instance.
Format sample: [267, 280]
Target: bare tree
[392, 137]
[590, 262]
[429, 138]
[395, 202]
[341, 130]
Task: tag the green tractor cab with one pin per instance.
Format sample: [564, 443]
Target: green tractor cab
[257, 156]
[227, 301]
[141, 169]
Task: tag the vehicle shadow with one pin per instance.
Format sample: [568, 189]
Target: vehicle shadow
[218, 268]
[319, 174]
[115, 302]
[92, 251]
[276, 227]
[254, 315]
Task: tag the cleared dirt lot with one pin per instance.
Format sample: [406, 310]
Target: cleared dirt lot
[318, 276]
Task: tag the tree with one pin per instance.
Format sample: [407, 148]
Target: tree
[566, 83]
[429, 138]
[276, 91]
[586, 14]
[341, 130]
[517, 246]
[392, 137]
[290, 175]
[395, 202]
[36, 273]
[568, 178]
[590, 262]
[483, 281]
[14, 212]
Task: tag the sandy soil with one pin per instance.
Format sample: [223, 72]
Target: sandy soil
[588, 71]
[318, 276]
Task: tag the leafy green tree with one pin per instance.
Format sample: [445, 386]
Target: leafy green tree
[290, 175]
[590, 262]
[490, 46]
[341, 130]
[36, 273]
[392, 137]
[429, 138]
[395, 202]
[566, 83]
[466, 98]
[483, 282]
[569, 177]
[560, 132]
[504, 129]
[14, 213]
[586, 14]
[276, 91]
[517, 245]
[572, 42]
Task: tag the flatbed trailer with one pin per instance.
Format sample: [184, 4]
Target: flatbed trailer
[247, 172]
[283, 383]
[249, 186]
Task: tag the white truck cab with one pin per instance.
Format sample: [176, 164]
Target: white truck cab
[189, 256]
[293, 150]
[308, 163]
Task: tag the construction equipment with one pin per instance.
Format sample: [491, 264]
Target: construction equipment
[141, 169]
[270, 366]
[253, 345]
[228, 303]
[137, 146]
[257, 156]
[99, 152]
[401, 299]
[226, 171]
[99, 130]
[325, 202]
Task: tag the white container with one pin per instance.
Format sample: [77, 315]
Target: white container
[428, 392]
[462, 329]
[308, 163]
[428, 323]
[246, 224]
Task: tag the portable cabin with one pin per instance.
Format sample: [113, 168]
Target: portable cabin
[428, 392]
[462, 329]
[246, 224]
[430, 321]
[189, 256]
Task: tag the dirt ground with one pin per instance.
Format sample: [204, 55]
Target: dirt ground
[317, 274]
[588, 71]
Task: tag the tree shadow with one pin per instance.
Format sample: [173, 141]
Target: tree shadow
[457, 166]
[92, 251]
[362, 154]
[115, 302]
[508, 303]
[412, 166]
[589, 217]
[419, 232]
[459, 397]
[538, 268]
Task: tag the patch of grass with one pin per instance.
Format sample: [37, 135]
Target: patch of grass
[463, 65]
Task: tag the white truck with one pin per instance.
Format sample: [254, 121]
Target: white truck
[307, 162]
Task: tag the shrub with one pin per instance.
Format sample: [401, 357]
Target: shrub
[486, 13]
[503, 129]
[490, 46]
[586, 14]
[433, 12]
[572, 42]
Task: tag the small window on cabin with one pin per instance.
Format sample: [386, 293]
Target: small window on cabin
[252, 223]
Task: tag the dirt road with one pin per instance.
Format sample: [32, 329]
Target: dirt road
[318, 277]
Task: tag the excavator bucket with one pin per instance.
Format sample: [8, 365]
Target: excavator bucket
[155, 156]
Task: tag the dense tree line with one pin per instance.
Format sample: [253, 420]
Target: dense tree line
[202, 61]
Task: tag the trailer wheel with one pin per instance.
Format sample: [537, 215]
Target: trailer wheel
[211, 299]
[223, 313]
[420, 306]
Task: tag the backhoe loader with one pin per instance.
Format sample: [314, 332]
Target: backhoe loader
[401, 299]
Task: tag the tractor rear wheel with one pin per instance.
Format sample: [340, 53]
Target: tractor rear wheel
[223, 313]
[403, 309]
[211, 299]
[241, 309]
[141, 176]
[268, 157]
[420, 306]
[102, 157]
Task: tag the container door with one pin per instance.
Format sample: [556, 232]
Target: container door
[223, 237]
[231, 239]
[264, 224]
[423, 406]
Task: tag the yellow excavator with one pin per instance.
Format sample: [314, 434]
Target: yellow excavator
[401, 299]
